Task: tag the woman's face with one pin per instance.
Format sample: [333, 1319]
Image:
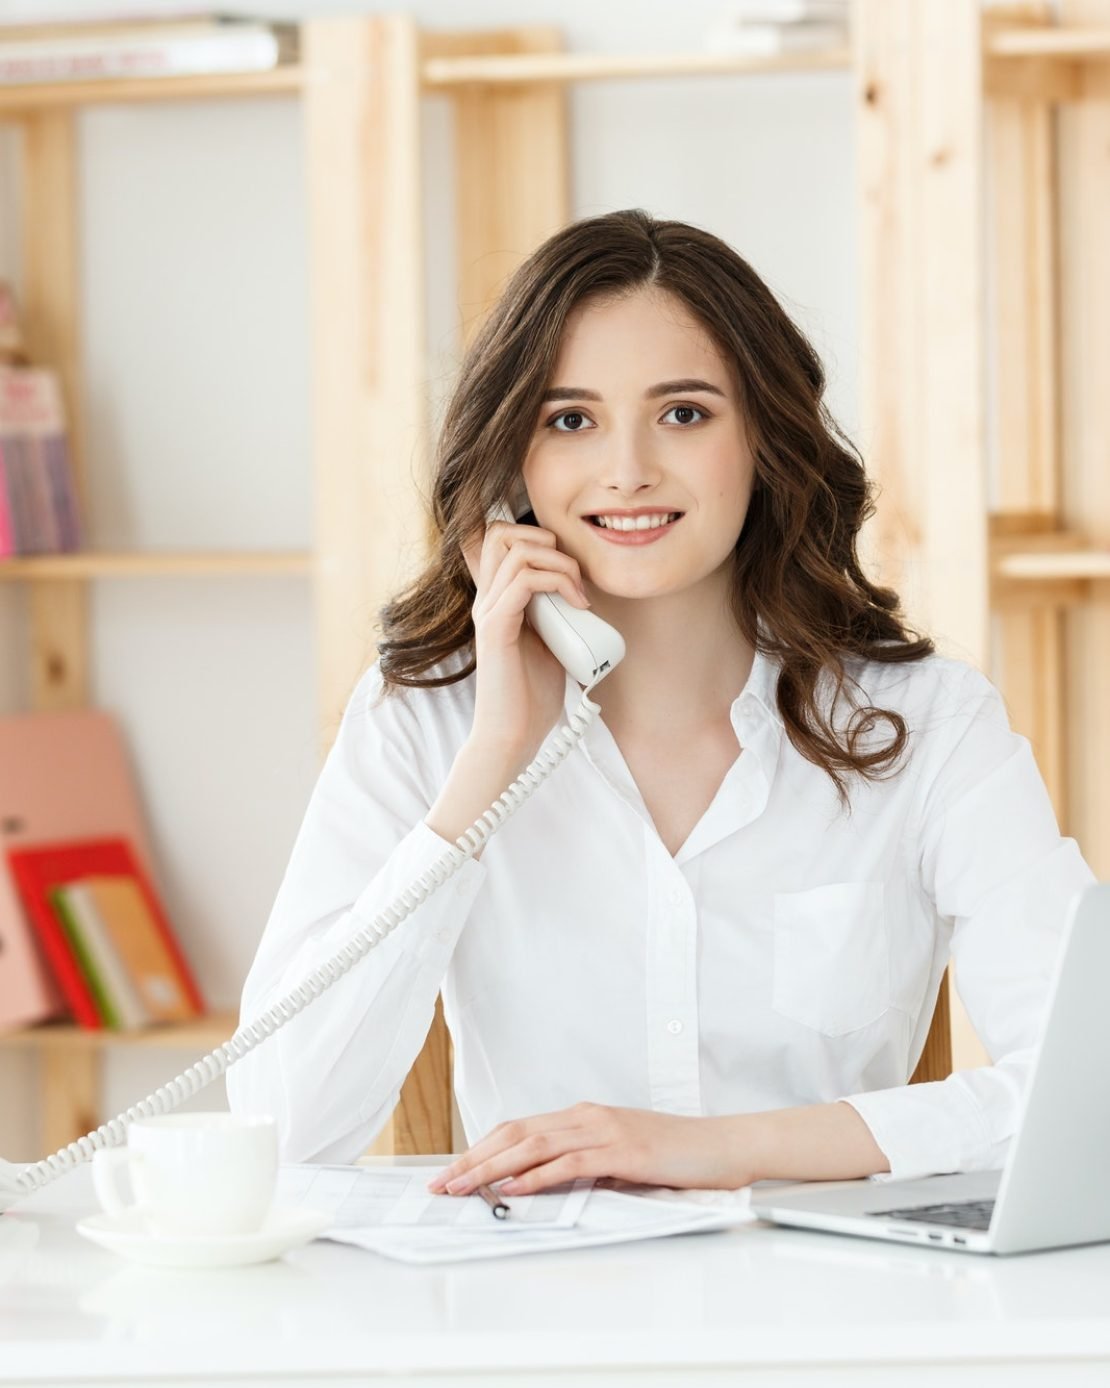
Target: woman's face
[641, 419]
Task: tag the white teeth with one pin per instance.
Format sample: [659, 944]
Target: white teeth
[637, 522]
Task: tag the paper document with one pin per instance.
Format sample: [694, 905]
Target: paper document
[389, 1211]
[380, 1197]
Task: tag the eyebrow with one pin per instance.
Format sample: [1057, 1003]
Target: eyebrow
[687, 386]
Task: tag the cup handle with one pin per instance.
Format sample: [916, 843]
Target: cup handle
[106, 1162]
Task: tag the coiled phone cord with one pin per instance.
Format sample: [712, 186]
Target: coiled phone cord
[215, 1063]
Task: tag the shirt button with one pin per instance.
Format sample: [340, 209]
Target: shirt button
[674, 1026]
[676, 896]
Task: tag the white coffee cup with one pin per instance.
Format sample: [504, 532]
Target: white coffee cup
[193, 1173]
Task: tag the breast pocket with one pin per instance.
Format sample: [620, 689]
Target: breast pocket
[832, 956]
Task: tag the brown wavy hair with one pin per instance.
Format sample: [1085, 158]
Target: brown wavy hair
[798, 594]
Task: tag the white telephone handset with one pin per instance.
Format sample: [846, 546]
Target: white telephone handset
[589, 648]
[584, 645]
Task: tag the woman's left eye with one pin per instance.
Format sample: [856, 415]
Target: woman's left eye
[686, 410]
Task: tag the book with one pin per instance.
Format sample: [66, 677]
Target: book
[223, 45]
[132, 913]
[77, 937]
[64, 775]
[117, 999]
[146, 959]
[38, 505]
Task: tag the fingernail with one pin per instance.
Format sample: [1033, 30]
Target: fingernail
[585, 599]
[458, 1185]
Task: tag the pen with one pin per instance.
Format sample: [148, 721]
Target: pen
[494, 1201]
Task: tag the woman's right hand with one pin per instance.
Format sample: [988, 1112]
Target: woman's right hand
[520, 685]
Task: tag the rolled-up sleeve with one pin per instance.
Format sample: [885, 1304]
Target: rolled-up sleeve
[994, 865]
[331, 1076]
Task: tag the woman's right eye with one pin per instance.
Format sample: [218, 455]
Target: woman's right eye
[575, 420]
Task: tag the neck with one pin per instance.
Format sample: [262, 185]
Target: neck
[686, 662]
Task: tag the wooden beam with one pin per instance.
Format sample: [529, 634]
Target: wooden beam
[70, 1082]
[1084, 177]
[511, 193]
[512, 182]
[52, 311]
[362, 123]
[1023, 292]
[918, 87]
[362, 132]
[919, 94]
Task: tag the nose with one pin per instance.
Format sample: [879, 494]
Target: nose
[630, 464]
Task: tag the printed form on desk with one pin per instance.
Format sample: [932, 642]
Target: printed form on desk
[390, 1211]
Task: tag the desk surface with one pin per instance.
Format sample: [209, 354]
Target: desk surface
[751, 1302]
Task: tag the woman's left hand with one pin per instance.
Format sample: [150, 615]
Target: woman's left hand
[658, 1149]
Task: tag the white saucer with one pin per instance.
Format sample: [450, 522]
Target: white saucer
[127, 1235]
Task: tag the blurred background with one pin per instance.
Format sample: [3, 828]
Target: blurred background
[908, 201]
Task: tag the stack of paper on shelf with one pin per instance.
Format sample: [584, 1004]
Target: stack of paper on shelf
[92, 50]
[105, 934]
[764, 28]
[63, 777]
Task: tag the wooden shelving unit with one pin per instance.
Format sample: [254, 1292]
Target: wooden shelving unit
[367, 405]
[69, 1059]
[985, 217]
[931, 80]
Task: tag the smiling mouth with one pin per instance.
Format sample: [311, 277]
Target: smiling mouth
[633, 523]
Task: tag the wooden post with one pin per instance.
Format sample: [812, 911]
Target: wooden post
[512, 185]
[1025, 400]
[511, 191]
[919, 83]
[362, 124]
[1084, 154]
[70, 1095]
[51, 310]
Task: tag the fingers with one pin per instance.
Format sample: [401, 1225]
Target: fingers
[540, 1152]
[514, 1146]
[499, 539]
[526, 570]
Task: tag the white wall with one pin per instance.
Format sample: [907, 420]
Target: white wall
[195, 300]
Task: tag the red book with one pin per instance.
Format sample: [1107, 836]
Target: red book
[38, 870]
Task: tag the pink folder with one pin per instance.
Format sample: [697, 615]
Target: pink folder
[62, 776]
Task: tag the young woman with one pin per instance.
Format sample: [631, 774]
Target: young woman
[707, 950]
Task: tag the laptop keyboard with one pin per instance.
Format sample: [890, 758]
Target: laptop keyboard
[964, 1214]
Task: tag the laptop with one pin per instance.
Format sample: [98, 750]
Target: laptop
[1054, 1190]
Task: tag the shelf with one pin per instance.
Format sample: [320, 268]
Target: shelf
[1080, 563]
[36, 96]
[437, 73]
[589, 67]
[499, 69]
[154, 565]
[202, 1035]
[1049, 42]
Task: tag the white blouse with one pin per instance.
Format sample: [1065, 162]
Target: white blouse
[787, 954]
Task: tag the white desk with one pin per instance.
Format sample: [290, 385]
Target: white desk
[756, 1305]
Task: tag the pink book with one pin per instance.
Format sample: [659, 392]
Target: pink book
[39, 478]
[7, 533]
[62, 776]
